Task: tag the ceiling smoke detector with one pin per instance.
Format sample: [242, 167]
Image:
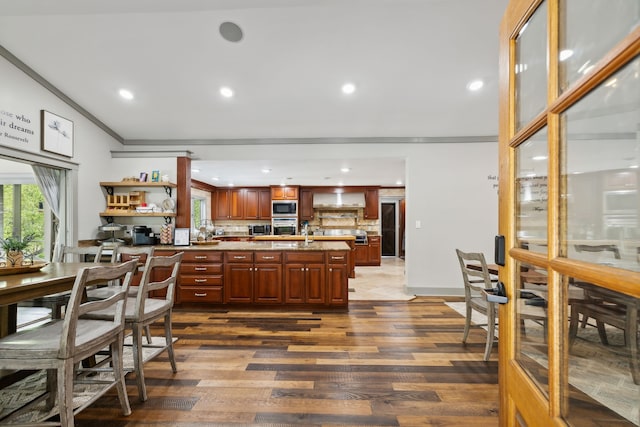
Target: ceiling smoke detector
[230, 32]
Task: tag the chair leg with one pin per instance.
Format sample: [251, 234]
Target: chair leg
[169, 341]
[118, 374]
[65, 393]
[52, 388]
[138, 362]
[602, 332]
[467, 324]
[491, 328]
[573, 324]
[147, 332]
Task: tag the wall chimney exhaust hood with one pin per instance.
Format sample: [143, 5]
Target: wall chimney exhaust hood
[338, 201]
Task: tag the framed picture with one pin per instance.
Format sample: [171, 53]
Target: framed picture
[56, 134]
[155, 176]
[181, 237]
[143, 177]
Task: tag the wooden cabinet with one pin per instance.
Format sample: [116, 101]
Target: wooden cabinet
[257, 203]
[284, 193]
[374, 255]
[304, 278]
[369, 254]
[253, 277]
[337, 278]
[242, 203]
[201, 277]
[371, 209]
[305, 206]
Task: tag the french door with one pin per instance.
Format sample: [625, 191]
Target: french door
[569, 201]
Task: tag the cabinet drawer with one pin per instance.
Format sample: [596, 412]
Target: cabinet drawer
[304, 256]
[201, 280]
[202, 256]
[197, 294]
[337, 257]
[268, 256]
[201, 269]
[239, 256]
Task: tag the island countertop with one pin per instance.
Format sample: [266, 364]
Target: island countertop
[301, 238]
[285, 245]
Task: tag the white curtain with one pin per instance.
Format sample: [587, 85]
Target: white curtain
[49, 181]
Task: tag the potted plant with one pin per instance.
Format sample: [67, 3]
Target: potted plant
[14, 247]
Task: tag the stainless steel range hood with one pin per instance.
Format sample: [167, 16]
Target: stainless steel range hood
[338, 201]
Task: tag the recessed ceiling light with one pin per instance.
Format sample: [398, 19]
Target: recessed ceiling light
[475, 85]
[195, 170]
[340, 184]
[126, 94]
[345, 170]
[215, 178]
[348, 88]
[227, 92]
[231, 184]
[634, 166]
[265, 170]
[398, 182]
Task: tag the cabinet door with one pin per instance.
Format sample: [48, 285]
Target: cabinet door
[236, 205]
[362, 254]
[371, 203]
[264, 204]
[268, 283]
[306, 205]
[294, 281]
[315, 284]
[222, 198]
[284, 193]
[374, 254]
[251, 203]
[337, 283]
[238, 282]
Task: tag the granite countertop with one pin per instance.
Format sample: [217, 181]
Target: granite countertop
[263, 246]
[300, 238]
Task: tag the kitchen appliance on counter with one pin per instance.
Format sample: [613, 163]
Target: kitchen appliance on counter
[284, 226]
[113, 241]
[259, 229]
[143, 235]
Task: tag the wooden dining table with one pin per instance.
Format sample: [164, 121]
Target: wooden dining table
[14, 288]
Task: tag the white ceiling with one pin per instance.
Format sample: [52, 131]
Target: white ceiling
[409, 59]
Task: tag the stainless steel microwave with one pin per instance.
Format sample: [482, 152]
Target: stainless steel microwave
[286, 208]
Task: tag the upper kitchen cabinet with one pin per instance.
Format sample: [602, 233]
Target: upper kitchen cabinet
[289, 192]
[257, 203]
[305, 207]
[229, 204]
[371, 209]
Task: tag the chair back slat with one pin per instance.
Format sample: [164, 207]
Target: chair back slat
[79, 253]
[146, 285]
[78, 306]
[483, 276]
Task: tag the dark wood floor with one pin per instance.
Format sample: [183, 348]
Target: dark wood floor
[380, 364]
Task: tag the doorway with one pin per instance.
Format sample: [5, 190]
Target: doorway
[392, 227]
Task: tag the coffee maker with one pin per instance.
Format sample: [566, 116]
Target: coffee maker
[143, 235]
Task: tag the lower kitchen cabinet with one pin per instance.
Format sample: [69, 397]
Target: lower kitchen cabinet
[369, 254]
[304, 278]
[201, 277]
[337, 278]
[253, 277]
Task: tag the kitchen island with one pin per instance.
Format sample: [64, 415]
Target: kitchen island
[348, 239]
[286, 274]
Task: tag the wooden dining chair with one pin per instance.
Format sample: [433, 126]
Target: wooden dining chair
[61, 345]
[56, 302]
[474, 282]
[123, 254]
[160, 275]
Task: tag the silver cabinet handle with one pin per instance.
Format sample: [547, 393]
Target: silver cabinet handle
[302, 269]
[268, 257]
[200, 257]
[200, 280]
[337, 257]
[331, 269]
[239, 257]
[200, 295]
[200, 269]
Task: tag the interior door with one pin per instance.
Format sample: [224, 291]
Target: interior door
[569, 141]
[388, 229]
